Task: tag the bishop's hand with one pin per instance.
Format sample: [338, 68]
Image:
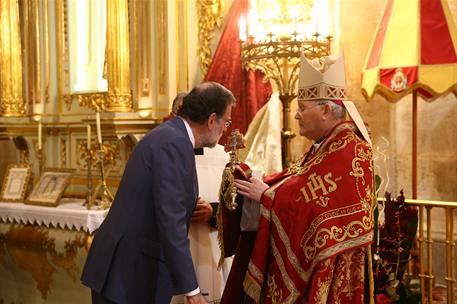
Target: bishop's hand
[252, 188]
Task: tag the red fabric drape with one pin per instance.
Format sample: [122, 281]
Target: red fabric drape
[436, 40]
[250, 91]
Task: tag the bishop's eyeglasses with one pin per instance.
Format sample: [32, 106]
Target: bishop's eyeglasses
[227, 122]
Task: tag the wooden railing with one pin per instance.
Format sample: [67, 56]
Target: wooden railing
[425, 242]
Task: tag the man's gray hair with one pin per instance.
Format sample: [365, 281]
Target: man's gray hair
[338, 111]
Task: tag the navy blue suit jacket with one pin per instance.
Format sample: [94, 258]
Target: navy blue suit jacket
[140, 254]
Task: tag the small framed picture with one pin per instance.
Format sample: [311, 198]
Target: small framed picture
[15, 182]
[50, 187]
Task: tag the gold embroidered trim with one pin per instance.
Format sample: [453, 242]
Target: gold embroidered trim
[339, 234]
[326, 216]
[323, 288]
[339, 247]
[252, 288]
[287, 281]
[273, 292]
[264, 212]
[270, 192]
[255, 272]
[286, 242]
[321, 153]
[220, 235]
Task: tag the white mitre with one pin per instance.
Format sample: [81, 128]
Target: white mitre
[324, 78]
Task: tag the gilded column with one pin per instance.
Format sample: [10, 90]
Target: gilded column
[34, 50]
[142, 50]
[161, 42]
[118, 52]
[11, 98]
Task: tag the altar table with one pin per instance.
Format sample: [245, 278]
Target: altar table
[42, 251]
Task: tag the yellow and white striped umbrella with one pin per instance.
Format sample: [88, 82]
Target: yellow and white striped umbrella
[414, 50]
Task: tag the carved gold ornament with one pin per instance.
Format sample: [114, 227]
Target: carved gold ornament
[209, 18]
[11, 99]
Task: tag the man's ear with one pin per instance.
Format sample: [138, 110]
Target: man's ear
[212, 119]
[327, 111]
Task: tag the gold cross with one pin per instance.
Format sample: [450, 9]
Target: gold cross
[228, 189]
[234, 142]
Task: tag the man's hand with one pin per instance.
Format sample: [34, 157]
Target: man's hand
[203, 211]
[197, 299]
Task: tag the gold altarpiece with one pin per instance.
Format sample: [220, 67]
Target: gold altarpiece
[68, 60]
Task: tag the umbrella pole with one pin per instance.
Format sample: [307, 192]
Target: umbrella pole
[414, 152]
[422, 275]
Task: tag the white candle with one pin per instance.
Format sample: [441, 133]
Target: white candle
[99, 128]
[38, 108]
[88, 137]
[40, 130]
[242, 28]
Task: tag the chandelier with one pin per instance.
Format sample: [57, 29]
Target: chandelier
[272, 38]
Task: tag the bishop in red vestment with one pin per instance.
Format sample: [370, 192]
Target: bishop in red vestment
[316, 223]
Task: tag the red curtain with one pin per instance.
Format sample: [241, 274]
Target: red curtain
[250, 91]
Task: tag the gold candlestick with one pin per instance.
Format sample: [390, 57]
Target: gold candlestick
[41, 160]
[106, 195]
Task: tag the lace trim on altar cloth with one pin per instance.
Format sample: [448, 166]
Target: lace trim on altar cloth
[69, 214]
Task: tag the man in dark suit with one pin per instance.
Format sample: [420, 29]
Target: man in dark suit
[140, 254]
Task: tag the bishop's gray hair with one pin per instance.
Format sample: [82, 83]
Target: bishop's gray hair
[338, 111]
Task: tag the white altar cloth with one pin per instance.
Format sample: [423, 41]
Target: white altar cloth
[69, 214]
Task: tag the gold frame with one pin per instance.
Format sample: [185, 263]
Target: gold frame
[42, 195]
[25, 172]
